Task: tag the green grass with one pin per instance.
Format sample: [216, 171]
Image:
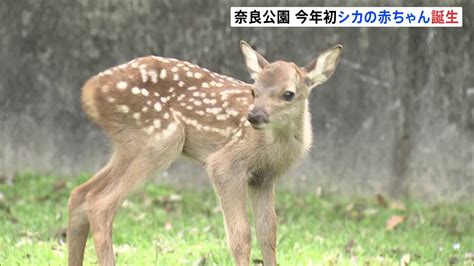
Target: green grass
[156, 229]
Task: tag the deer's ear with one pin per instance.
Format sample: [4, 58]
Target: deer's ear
[319, 70]
[253, 60]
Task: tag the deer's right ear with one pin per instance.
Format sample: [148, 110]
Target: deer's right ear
[321, 69]
[253, 60]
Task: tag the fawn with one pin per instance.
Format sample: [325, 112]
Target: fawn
[246, 135]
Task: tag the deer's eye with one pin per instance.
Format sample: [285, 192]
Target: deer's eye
[288, 96]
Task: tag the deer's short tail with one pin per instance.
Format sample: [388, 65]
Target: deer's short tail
[89, 100]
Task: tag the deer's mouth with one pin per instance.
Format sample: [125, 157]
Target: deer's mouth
[259, 126]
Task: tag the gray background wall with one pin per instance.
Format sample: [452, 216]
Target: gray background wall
[396, 118]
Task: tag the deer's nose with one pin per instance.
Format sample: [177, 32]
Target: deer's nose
[258, 117]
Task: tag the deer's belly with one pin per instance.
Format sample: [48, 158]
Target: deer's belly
[202, 141]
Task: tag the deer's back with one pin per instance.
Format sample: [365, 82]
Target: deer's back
[154, 95]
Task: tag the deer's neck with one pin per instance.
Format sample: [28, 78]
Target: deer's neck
[280, 146]
[296, 128]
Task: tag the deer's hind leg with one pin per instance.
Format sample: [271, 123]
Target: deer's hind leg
[78, 222]
[133, 162]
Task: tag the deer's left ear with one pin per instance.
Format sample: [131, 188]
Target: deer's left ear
[319, 70]
[253, 60]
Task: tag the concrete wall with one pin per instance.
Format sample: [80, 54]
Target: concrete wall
[396, 118]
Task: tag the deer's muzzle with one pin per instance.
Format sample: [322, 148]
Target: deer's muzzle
[258, 118]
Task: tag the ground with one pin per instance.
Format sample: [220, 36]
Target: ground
[166, 226]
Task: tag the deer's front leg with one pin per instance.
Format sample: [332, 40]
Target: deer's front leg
[263, 205]
[231, 190]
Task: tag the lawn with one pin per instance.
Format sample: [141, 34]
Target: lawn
[166, 226]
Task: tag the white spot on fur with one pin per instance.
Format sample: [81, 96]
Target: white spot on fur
[163, 74]
[144, 75]
[154, 76]
[122, 85]
[157, 123]
[232, 112]
[189, 74]
[221, 117]
[174, 69]
[145, 92]
[124, 109]
[181, 84]
[161, 59]
[135, 90]
[170, 130]
[176, 77]
[110, 99]
[157, 106]
[213, 110]
[136, 116]
[180, 97]
[205, 85]
[210, 101]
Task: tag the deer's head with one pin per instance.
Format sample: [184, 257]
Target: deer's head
[281, 87]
